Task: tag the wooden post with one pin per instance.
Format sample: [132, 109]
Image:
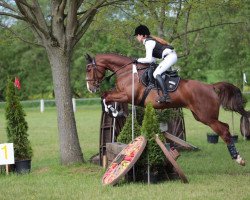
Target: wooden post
[148, 171]
[104, 161]
[74, 104]
[7, 169]
[42, 105]
[171, 159]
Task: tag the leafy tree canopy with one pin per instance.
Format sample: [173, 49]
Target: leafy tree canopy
[211, 38]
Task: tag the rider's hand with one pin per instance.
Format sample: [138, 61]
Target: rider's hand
[135, 61]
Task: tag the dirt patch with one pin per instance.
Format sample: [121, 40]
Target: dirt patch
[86, 170]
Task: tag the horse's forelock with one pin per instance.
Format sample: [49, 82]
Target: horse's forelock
[88, 58]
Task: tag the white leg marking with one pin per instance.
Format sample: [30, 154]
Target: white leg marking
[88, 88]
[240, 160]
[113, 110]
[105, 105]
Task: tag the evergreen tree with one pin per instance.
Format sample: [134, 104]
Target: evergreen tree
[150, 127]
[17, 127]
[125, 135]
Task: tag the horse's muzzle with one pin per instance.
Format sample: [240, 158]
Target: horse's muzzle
[92, 89]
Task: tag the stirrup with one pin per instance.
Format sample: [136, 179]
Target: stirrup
[164, 99]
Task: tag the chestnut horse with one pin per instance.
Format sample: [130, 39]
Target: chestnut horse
[204, 100]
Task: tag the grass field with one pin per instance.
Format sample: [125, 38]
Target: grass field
[211, 172]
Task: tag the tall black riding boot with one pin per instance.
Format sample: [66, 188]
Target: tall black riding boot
[165, 97]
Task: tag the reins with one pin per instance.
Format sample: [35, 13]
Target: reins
[109, 77]
[104, 78]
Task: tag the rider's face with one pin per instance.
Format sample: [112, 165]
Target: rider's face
[140, 38]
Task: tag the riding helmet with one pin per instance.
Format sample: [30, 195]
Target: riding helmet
[142, 30]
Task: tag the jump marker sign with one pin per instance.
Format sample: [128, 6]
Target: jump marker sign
[6, 154]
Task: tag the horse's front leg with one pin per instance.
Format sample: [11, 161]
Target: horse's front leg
[113, 96]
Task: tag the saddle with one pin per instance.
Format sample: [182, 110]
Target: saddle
[171, 79]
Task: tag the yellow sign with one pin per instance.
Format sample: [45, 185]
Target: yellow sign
[6, 154]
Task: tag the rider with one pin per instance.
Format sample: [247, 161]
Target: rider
[156, 48]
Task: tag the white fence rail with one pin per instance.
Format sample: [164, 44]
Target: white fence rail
[43, 103]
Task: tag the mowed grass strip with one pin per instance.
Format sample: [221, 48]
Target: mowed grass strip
[211, 172]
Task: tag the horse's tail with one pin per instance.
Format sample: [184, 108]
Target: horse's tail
[231, 98]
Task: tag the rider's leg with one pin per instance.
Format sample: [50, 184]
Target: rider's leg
[164, 65]
[165, 97]
[150, 75]
[168, 61]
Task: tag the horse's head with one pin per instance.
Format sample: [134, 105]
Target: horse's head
[94, 74]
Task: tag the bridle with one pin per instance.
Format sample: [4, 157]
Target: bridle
[96, 80]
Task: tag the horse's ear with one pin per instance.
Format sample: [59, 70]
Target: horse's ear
[88, 58]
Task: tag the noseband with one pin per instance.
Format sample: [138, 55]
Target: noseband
[96, 80]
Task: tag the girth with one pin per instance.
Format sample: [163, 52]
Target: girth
[171, 80]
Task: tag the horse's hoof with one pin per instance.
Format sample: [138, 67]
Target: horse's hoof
[117, 114]
[121, 114]
[240, 161]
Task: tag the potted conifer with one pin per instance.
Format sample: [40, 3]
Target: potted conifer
[17, 128]
[212, 138]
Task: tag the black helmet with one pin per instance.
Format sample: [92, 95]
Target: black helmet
[142, 30]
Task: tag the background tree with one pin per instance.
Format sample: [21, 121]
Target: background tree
[200, 32]
[29, 62]
[211, 38]
[57, 28]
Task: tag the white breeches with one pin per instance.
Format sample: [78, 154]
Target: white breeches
[164, 65]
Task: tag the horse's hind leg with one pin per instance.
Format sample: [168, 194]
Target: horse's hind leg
[223, 130]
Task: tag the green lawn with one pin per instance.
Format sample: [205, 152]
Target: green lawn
[211, 172]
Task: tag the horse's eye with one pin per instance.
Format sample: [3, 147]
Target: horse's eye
[88, 68]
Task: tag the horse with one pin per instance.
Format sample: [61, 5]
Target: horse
[203, 100]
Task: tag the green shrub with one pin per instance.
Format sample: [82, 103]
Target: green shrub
[140, 114]
[167, 115]
[17, 127]
[150, 127]
[125, 135]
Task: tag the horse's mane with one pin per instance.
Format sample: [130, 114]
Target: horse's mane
[119, 56]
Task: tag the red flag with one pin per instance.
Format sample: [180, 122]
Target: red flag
[17, 83]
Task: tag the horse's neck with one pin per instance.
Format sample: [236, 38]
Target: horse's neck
[117, 64]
